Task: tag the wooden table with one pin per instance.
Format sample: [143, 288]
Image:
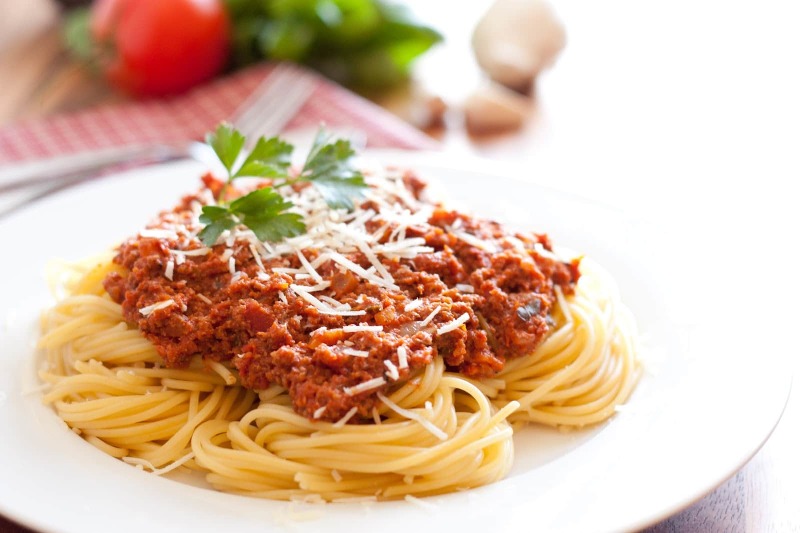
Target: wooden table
[695, 80]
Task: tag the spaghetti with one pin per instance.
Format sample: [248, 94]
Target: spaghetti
[436, 430]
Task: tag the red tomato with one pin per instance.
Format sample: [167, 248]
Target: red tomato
[160, 47]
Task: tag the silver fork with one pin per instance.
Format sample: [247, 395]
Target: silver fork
[265, 112]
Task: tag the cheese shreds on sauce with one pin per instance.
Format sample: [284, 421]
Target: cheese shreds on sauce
[472, 240]
[322, 307]
[392, 371]
[355, 353]
[402, 357]
[169, 269]
[450, 326]
[256, 256]
[413, 304]
[149, 309]
[431, 316]
[309, 269]
[361, 327]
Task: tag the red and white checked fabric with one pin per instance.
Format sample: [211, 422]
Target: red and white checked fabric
[191, 115]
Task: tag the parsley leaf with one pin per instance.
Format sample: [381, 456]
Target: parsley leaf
[217, 219]
[330, 168]
[263, 211]
[227, 144]
[339, 192]
[269, 159]
[276, 227]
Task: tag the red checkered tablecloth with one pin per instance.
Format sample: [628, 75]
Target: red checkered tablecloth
[191, 115]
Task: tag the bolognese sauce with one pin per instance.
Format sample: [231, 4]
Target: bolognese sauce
[336, 318]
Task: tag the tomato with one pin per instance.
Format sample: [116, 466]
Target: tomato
[160, 47]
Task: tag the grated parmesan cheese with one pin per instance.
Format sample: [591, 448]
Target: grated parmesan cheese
[195, 252]
[346, 418]
[345, 262]
[169, 269]
[256, 256]
[322, 307]
[472, 240]
[392, 371]
[453, 325]
[355, 353]
[402, 357]
[307, 266]
[373, 383]
[430, 316]
[361, 327]
[149, 309]
[144, 463]
[413, 304]
[411, 415]
[335, 303]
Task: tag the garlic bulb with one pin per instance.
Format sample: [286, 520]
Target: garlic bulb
[517, 39]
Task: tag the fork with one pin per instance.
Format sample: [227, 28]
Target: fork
[265, 112]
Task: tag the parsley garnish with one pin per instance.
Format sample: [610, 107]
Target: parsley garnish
[328, 167]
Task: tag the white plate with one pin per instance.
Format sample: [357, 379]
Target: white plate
[703, 409]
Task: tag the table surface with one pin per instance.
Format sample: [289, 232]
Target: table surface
[646, 92]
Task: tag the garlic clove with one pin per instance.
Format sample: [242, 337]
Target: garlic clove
[495, 109]
[428, 112]
[517, 39]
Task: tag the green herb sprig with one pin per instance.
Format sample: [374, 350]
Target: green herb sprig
[328, 167]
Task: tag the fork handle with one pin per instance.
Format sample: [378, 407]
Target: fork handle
[66, 169]
[25, 183]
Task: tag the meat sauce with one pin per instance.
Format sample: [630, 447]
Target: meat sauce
[228, 306]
